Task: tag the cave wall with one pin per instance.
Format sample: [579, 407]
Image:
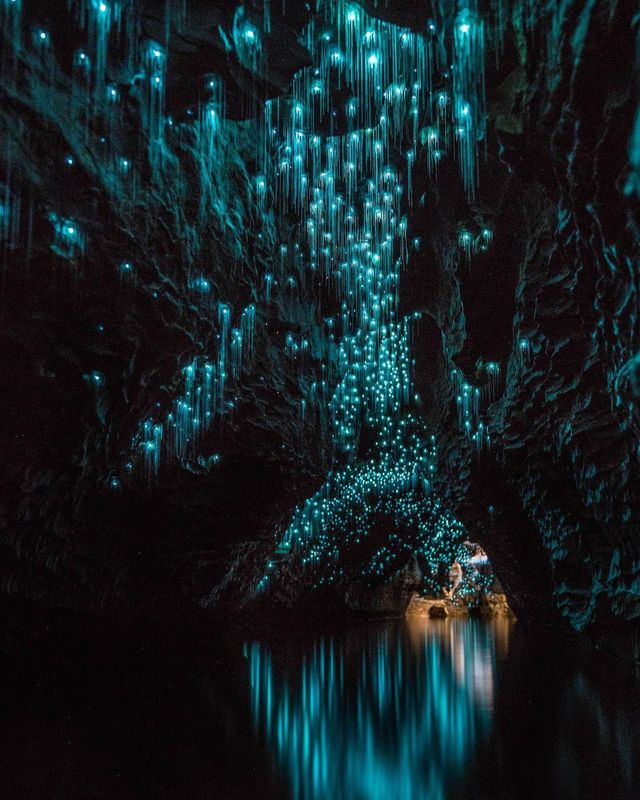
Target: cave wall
[97, 332]
[90, 348]
[555, 304]
[567, 417]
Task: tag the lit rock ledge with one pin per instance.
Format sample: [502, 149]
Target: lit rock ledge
[493, 604]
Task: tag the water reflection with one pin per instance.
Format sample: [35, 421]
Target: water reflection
[607, 742]
[394, 713]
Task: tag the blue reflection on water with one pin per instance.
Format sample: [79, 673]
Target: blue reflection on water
[396, 714]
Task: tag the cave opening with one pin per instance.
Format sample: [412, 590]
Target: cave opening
[466, 587]
[319, 321]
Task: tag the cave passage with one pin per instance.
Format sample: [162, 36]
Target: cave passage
[320, 356]
[468, 586]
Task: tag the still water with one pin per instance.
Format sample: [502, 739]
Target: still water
[394, 712]
[405, 710]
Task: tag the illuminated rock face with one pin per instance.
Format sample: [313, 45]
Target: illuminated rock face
[244, 253]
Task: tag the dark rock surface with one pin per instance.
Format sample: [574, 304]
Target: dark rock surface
[568, 416]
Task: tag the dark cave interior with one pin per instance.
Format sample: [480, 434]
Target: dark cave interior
[299, 297]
